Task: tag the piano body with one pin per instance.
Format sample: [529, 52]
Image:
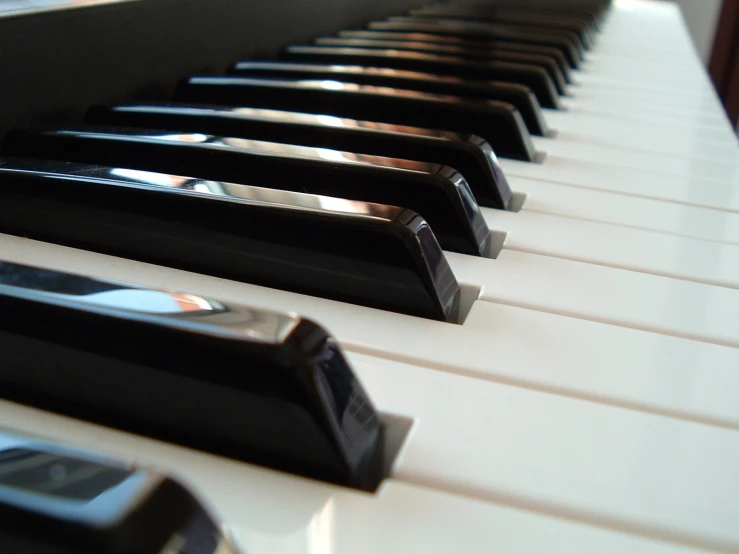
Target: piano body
[585, 398]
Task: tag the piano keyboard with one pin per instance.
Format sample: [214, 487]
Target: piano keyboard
[562, 378]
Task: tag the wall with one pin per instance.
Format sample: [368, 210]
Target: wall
[701, 17]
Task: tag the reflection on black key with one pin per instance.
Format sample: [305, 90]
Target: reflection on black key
[374, 255]
[519, 96]
[460, 42]
[482, 33]
[469, 154]
[472, 51]
[438, 193]
[498, 123]
[492, 14]
[534, 35]
[590, 13]
[533, 77]
[57, 500]
[250, 384]
[488, 56]
[258, 386]
[532, 32]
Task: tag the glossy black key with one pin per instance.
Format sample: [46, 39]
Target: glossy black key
[469, 154]
[258, 386]
[536, 78]
[519, 96]
[374, 255]
[532, 33]
[469, 50]
[563, 39]
[483, 33]
[591, 12]
[467, 44]
[438, 193]
[492, 14]
[489, 55]
[500, 124]
[59, 500]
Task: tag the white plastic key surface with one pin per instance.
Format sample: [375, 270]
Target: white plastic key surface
[268, 511]
[591, 462]
[565, 145]
[605, 99]
[651, 75]
[683, 189]
[701, 142]
[600, 293]
[576, 289]
[628, 211]
[714, 263]
[641, 110]
[570, 355]
[665, 69]
[695, 89]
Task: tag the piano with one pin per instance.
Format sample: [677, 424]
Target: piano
[574, 392]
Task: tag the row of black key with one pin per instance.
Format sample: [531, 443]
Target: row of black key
[456, 221]
[227, 181]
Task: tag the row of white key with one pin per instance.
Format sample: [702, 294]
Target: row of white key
[276, 513]
[656, 387]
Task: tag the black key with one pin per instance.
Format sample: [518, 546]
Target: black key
[566, 40]
[498, 123]
[483, 33]
[373, 255]
[577, 25]
[433, 44]
[544, 22]
[519, 96]
[59, 500]
[469, 154]
[591, 12]
[467, 44]
[253, 385]
[536, 78]
[490, 55]
[438, 193]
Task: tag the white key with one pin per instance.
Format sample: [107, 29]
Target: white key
[605, 363]
[268, 511]
[599, 293]
[683, 189]
[628, 211]
[628, 71]
[614, 90]
[602, 62]
[698, 260]
[565, 456]
[572, 147]
[626, 30]
[576, 289]
[651, 71]
[694, 90]
[648, 112]
[609, 99]
[704, 143]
